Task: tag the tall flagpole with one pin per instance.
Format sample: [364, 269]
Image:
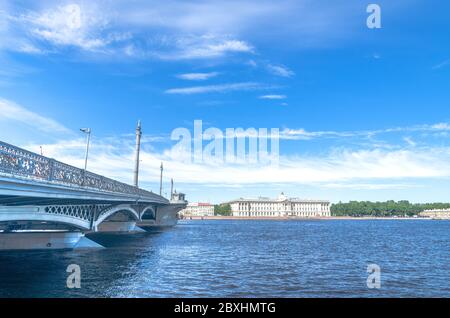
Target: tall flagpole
[160, 179]
[138, 149]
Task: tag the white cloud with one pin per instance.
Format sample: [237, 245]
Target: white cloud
[12, 111]
[314, 21]
[273, 97]
[197, 76]
[441, 65]
[65, 25]
[187, 29]
[199, 16]
[202, 47]
[230, 46]
[245, 86]
[302, 134]
[441, 126]
[410, 141]
[83, 26]
[343, 168]
[370, 186]
[29, 48]
[337, 168]
[280, 70]
[201, 29]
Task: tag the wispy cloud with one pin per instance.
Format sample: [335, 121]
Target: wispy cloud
[273, 97]
[280, 70]
[29, 48]
[15, 112]
[302, 134]
[376, 56]
[202, 47]
[439, 126]
[441, 65]
[11, 70]
[343, 168]
[245, 86]
[70, 25]
[197, 76]
[188, 29]
[370, 186]
[410, 141]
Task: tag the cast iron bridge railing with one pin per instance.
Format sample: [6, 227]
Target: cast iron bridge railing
[15, 161]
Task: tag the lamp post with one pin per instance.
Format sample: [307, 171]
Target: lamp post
[138, 147]
[160, 179]
[87, 131]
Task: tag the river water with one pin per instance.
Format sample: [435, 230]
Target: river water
[218, 258]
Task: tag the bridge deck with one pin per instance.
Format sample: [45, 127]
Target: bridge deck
[29, 178]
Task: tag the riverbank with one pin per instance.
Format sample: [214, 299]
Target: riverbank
[217, 217]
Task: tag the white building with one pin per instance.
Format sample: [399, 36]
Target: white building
[280, 207]
[198, 209]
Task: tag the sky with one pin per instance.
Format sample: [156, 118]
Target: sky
[362, 114]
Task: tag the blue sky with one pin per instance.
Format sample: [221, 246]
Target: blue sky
[363, 113]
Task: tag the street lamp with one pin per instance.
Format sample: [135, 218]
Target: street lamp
[87, 131]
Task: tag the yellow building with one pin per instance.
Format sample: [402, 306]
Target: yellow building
[198, 209]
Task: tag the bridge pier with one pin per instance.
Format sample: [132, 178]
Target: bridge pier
[117, 226]
[45, 240]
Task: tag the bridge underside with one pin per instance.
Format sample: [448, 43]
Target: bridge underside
[83, 217]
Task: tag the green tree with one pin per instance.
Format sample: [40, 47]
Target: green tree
[222, 209]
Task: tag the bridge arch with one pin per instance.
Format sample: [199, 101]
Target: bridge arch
[148, 213]
[45, 216]
[44, 223]
[124, 209]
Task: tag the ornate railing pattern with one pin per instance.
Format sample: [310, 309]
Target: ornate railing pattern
[20, 162]
[82, 212]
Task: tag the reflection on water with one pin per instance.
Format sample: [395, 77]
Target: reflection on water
[245, 259]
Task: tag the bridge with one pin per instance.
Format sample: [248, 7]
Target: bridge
[45, 196]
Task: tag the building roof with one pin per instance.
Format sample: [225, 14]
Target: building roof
[281, 198]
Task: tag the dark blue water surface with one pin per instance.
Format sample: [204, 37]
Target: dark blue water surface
[246, 259]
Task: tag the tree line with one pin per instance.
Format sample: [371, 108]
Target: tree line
[365, 208]
[388, 208]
